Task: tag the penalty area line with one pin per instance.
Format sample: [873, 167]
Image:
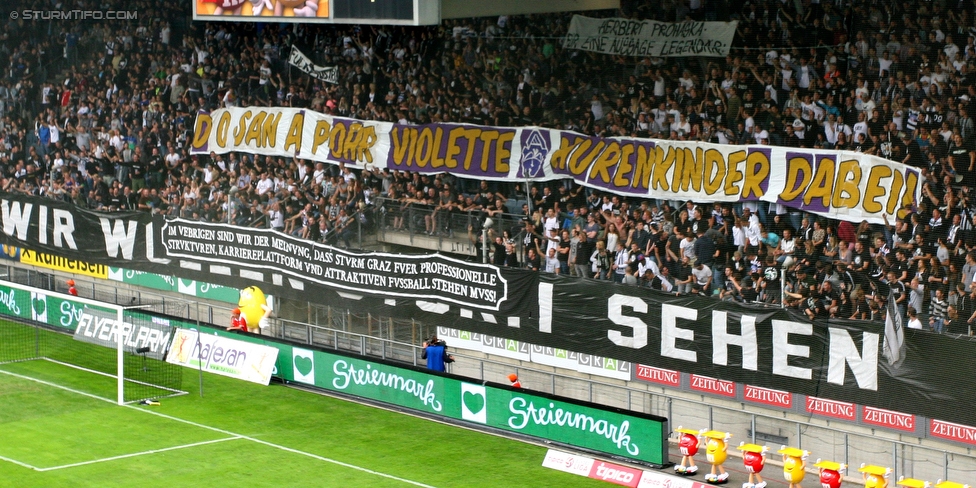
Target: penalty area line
[135, 454]
[232, 435]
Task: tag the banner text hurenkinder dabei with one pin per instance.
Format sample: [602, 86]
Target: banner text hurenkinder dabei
[840, 184]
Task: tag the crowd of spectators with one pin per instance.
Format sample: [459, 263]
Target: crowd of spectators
[101, 114]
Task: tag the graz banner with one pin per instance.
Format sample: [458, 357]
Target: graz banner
[845, 185]
[765, 348]
[393, 275]
[727, 343]
[229, 255]
[298, 59]
[649, 38]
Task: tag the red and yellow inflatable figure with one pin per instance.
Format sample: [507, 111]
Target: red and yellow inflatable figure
[794, 465]
[688, 445]
[754, 459]
[875, 476]
[831, 473]
[716, 452]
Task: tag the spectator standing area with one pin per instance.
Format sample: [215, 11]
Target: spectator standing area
[102, 116]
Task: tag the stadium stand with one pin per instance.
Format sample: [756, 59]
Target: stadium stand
[100, 114]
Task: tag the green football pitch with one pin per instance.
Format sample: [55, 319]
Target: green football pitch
[55, 431]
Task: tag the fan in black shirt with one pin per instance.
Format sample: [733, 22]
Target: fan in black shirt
[863, 145]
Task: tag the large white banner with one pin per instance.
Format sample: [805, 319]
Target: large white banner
[840, 184]
[549, 356]
[223, 356]
[649, 38]
[298, 59]
[101, 327]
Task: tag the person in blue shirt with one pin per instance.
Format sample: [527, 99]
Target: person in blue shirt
[435, 352]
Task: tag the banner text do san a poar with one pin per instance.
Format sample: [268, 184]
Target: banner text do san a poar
[840, 184]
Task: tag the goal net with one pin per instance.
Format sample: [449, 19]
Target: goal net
[127, 362]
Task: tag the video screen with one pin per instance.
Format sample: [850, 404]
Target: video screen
[376, 9]
[242, 9]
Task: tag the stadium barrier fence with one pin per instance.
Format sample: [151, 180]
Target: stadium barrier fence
[396, 340]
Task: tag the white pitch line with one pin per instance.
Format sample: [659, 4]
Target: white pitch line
[143, 453]
[287, 449]
[222, 431]
[18, 463]
[28, 378]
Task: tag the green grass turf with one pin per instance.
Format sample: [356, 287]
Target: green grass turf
[19, 341]
[46, 427]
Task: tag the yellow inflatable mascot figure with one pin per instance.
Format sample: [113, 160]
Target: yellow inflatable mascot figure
[255, 309]
[875, 476]
[794, 465]
[716, 447]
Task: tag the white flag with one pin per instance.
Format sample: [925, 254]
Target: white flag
[894, 343]
[299, 60]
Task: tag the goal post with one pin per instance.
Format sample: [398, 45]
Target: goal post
[125, 347]
[120, 345]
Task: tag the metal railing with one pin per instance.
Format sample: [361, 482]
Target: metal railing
[392, 339]
[385, 338]
[456, 231]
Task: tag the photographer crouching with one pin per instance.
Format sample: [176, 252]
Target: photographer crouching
[435, 352]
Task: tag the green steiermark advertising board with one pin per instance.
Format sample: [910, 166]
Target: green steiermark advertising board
[192, 288]
[585, 425]
[38, 306]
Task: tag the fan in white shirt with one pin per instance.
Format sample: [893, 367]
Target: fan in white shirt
[861, 127]
[172, 159]
[264, 185]
[319, 174]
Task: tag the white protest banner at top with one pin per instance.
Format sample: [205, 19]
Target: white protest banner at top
[298, 59]
[649, 38]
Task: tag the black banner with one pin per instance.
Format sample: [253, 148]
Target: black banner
[768, 347]
[425, 277]
[771, 348]
[284, 265]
